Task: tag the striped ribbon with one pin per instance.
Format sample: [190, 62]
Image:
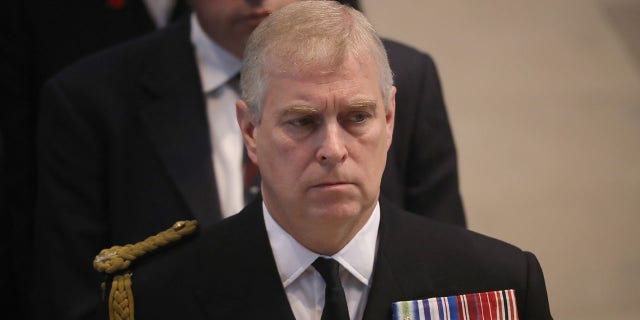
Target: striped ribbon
[493, 305]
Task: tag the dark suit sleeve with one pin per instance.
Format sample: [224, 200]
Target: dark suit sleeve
[537, 303]
[423, 142]
[70, 219]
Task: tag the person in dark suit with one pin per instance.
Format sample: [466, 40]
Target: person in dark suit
[125, 149]
[37, 39]
[317, 117]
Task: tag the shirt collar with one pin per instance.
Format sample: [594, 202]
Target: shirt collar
[215, 64]
[292, 258]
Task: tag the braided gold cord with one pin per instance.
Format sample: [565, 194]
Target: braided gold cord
[118, 258]
[121, 298]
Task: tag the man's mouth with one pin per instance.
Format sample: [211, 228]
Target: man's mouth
[333, 185]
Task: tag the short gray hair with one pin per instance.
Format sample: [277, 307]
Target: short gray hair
[309, 34]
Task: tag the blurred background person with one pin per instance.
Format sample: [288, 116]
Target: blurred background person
[37, 39]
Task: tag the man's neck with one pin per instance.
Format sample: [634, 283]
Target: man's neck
[233, 46]
[326, 238]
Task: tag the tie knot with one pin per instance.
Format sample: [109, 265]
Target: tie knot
[328, 269]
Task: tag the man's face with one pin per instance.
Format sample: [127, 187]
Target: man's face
[321, 146]
[230, 22]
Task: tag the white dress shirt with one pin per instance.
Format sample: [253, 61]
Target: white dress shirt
[216, 66]
[304, 285]
[160, 11]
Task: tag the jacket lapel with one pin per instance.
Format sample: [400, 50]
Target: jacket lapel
[385, 287]
[392, 279]
[175, 118]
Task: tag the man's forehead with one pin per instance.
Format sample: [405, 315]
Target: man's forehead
[295, 88]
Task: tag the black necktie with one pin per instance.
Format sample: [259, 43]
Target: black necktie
[335, 303]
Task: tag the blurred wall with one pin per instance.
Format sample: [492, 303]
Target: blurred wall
[544, 101]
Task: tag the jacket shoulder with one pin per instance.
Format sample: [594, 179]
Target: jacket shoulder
[403, 55]
[450, 248]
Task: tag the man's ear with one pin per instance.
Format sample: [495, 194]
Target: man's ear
[391, 115]
[247, 127]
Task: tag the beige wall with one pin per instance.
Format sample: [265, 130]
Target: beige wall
[544, 101]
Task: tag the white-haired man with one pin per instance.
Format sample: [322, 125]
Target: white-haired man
[317, 117]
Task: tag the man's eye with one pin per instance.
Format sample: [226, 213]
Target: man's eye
[301, 122]
[359, 117]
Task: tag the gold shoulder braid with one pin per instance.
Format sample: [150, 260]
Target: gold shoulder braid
[119, 258]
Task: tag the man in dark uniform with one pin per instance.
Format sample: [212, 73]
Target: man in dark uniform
[317, 117]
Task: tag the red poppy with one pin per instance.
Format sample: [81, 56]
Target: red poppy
[116, 4]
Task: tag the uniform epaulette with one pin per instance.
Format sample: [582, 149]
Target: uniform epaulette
[117, 259]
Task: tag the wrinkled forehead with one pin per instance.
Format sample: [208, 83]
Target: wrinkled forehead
[349, 86]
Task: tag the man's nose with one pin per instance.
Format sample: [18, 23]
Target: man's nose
[332, 147]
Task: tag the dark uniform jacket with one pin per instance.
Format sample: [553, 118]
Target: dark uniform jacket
[230, 272]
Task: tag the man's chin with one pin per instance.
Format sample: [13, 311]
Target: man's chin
[336, 210]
